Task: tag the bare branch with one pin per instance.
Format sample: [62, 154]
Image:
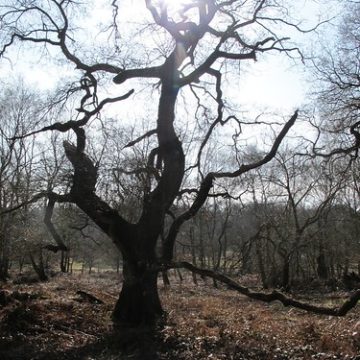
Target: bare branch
[349, 304]
[269, 156]
[76, 124]
[199, 201]
[83, 189]
[47, 220]
[296, 26]
[140, 138]
[34, 199]
[123, 75]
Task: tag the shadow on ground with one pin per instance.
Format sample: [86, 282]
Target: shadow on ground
[123, 344]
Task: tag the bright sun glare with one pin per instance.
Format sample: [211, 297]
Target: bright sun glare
[176, 7]
[175, 4]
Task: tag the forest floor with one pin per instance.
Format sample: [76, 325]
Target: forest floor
[48, 321]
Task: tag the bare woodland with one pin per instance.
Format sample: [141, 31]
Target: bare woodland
[141, 169]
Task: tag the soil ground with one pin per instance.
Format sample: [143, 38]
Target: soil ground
[48, 321]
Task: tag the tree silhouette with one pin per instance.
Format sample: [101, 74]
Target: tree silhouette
[200, 40]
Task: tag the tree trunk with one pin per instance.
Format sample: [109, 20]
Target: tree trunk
[4, 259]
[68, 263]
[261, 264]
[4, 269]
[39, 268]
[63, 261]
[165, 278]
[139, 303]
[181, 277]
[117, 264]
[322, 270]
[21, 262]
[286, 274]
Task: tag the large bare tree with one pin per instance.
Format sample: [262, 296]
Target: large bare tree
[190, 50]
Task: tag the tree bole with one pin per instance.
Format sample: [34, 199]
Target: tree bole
[139, 303]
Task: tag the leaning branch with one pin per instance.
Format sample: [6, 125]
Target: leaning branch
[76, 124]
[83, 188]
[50, 226]
[269, 156]
[199, 201]
[349, 304]
[207, 184]
[140, 138]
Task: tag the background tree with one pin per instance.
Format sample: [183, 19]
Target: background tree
[337, 91]
[298, 195]
[337, 122]
[17, 114]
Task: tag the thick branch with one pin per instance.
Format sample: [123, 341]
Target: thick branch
[123, 75]
[83, 192]
[199, 201]
[184, 31]
[349, 304]
[206, 65]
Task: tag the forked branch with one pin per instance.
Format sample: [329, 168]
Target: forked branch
[76, 124]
